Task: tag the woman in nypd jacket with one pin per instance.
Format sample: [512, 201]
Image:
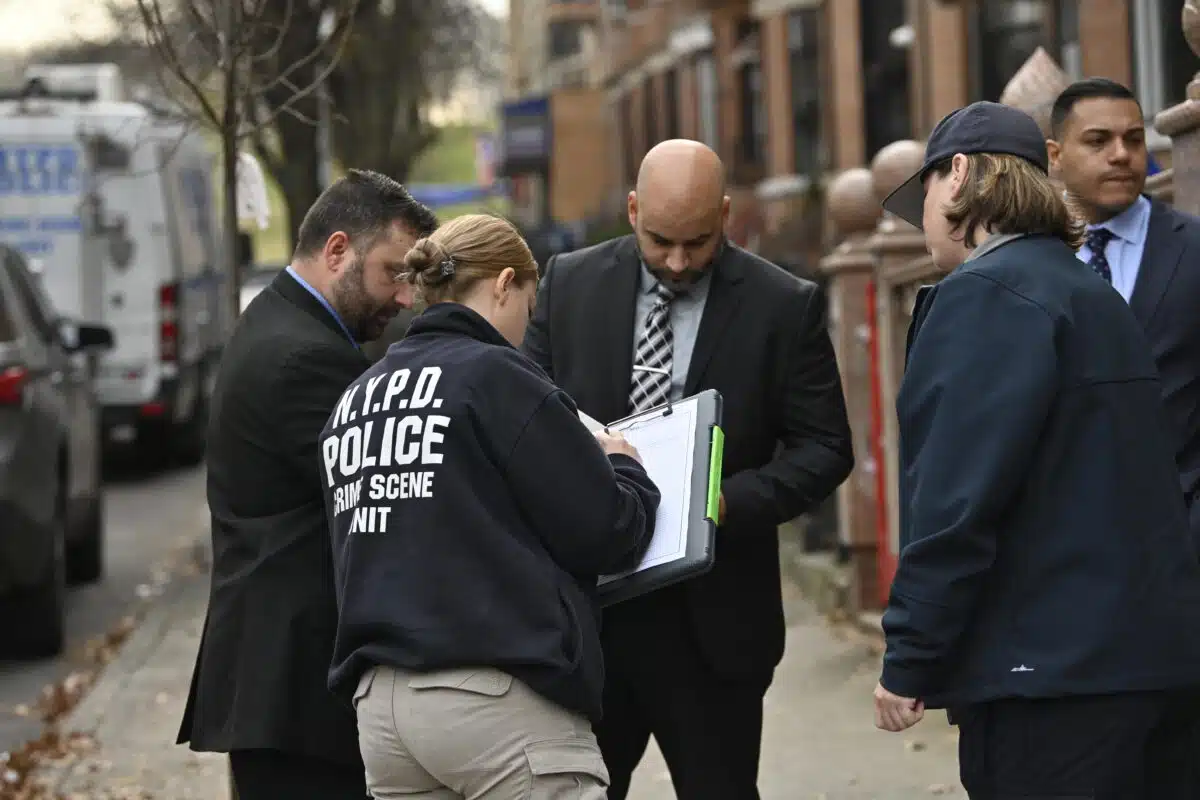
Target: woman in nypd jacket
[471, 514]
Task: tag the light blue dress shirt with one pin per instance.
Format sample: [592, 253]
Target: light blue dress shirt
[1125, 249]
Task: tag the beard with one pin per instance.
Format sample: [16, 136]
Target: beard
[678, 281]
[682, 281]
[364, 316]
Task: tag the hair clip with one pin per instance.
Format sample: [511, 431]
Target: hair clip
[446, 267]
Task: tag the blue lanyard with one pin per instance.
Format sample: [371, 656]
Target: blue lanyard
[321, 299]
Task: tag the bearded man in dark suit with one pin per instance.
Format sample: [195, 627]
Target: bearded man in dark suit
[259, 687]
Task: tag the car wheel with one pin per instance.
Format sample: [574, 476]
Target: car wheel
[85, 551]
[42, 610]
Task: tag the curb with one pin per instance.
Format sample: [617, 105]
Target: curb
[155, 619]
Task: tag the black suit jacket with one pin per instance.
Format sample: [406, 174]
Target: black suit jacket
[1166, 300]
[764, 344]
[260, 677]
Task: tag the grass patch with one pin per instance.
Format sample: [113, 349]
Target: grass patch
[451, 159]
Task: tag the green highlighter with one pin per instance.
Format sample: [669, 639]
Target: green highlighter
[716, 455]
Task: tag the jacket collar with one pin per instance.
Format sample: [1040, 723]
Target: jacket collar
[455, 319]
[297, 295]
[992, 242]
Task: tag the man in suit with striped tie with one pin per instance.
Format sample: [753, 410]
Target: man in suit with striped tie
[671, 310]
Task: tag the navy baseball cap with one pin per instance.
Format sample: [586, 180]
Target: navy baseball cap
[981, 127]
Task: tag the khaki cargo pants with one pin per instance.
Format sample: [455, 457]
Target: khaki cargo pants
[464, 734]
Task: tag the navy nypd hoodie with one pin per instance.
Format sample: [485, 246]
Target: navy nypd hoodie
[471, 514]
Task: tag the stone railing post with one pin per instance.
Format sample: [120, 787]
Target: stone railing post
[896, 245]
[1182, 123]
[850, 268]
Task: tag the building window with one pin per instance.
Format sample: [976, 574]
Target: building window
[671, 90]
[1163, 62]
[1006, 33]
[1147, 55]
[754, 123]
[564, 38]
[887, 104]
[1066, 37]
[706, 99]
[804, 65]
[752, 147]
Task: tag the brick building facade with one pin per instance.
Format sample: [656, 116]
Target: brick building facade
[790, 92]
[805, 88]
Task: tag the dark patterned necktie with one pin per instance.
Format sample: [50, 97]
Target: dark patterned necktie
[1097, 241]
[654, 350]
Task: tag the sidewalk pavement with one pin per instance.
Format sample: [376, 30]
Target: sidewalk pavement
[819, 738]
[132, 716]
[820, 742]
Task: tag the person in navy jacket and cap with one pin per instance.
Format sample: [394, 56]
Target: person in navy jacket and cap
[471, 513]
[1048, 592]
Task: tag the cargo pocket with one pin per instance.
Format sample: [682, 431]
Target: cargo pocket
[364, 686]
[566, 769]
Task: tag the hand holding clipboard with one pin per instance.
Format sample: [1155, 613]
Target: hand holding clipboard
[682, 447]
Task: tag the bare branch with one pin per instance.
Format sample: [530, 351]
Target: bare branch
[272, 51]
[309, 60]
[158, 36]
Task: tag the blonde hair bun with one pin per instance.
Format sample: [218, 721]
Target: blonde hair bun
[428, 264]
[466, 250]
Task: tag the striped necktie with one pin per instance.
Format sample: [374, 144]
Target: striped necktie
[654, 350]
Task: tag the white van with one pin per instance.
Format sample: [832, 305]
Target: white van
[114, 203]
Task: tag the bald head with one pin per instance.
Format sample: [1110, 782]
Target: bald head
[681, 169]
[679, 209]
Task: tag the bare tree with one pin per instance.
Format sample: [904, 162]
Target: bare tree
[239, 66]
[288, 144]
[403, 56]
[400, 56]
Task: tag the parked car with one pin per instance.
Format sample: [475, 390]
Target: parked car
[51, 496]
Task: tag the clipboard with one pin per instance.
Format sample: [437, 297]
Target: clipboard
[684, 444]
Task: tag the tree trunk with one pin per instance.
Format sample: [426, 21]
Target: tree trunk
[299, 182]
